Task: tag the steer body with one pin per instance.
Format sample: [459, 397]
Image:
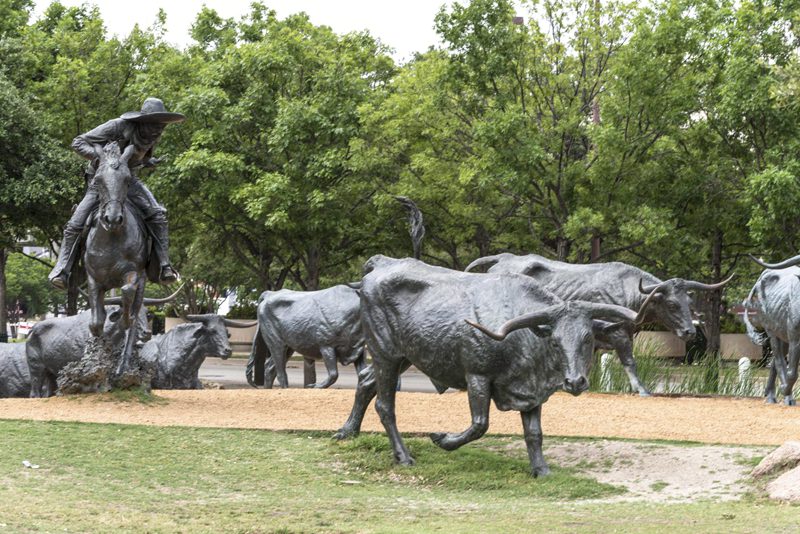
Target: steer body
[610, 283]
[322, 324]
[774, 298]
[413, 313]
[55, 342]
[15, 379]
[177, 355]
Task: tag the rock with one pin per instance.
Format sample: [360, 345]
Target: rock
[784, 457]
[786, 487]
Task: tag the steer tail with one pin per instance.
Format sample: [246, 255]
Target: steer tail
[488, 261]
[756, 337]
[258, 357]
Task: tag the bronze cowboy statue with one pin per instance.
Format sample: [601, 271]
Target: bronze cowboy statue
[140, 130]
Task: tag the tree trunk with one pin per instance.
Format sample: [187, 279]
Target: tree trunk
[562, 248]
[712, 323]
[312, 268]
[3, 310]
[595, 249]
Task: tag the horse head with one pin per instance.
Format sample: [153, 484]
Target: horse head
[112, 180]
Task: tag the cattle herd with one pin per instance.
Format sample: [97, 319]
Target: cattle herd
[515, 334]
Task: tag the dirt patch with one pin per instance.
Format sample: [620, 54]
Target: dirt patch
[659, 472]
[705, 420]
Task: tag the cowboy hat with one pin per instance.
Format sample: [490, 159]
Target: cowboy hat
[153, 110]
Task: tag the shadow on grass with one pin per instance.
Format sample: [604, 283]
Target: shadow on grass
[471, 468]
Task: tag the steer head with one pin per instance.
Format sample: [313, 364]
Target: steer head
[568, 327]
[670, 303]
[213, 335]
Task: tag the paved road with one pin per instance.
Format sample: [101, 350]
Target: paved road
[230, 374]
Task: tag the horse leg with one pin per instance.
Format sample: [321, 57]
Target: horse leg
[129, 296]
[96, 303]
[131, 303]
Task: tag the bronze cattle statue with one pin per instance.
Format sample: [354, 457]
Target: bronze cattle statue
[668, 301]
[443, 322]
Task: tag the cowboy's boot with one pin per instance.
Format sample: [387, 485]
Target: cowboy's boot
[59, 276]
[158, 227]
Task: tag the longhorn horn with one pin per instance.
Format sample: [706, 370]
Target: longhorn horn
[148, 301]
[355, 285]
[652, 293]
[236, 324]
[645, 290]
[691, 284]
[480, 262]
[614, 313]
[523, 321]
[780, 265]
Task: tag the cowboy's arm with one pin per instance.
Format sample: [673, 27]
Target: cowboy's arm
[84, 144]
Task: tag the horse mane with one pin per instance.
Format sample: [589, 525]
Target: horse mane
[112, 154]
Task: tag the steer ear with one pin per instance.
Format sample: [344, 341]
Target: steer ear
[115, 315]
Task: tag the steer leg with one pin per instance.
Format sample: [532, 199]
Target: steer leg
[37, 378]
[793, 358]
[278, 353]
[329, 357]
[778, 352]
[479, 393]
[386, 374]
[365, 392]
[620, 339]
[532, 426]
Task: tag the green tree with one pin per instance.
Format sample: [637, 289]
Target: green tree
[33, 184]
[265, 176]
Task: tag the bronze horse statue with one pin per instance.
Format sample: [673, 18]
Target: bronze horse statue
[116, 251]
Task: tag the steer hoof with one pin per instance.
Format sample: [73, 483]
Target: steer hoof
[789, 401]
[771, 399]
[645, 393]
[443, 440]
[540, 471]
[344, 433]
[409, 461]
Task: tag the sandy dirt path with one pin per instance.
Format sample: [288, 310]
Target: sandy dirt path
[706, 420]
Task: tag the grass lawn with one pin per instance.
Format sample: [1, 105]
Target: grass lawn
[104, 478]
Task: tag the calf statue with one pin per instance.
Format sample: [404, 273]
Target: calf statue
[177, 355]
[611, 283]
[773, 297]
[322, 324]
[15, 379]
[444, 322]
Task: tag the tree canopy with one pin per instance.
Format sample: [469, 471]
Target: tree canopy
[662, 134]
